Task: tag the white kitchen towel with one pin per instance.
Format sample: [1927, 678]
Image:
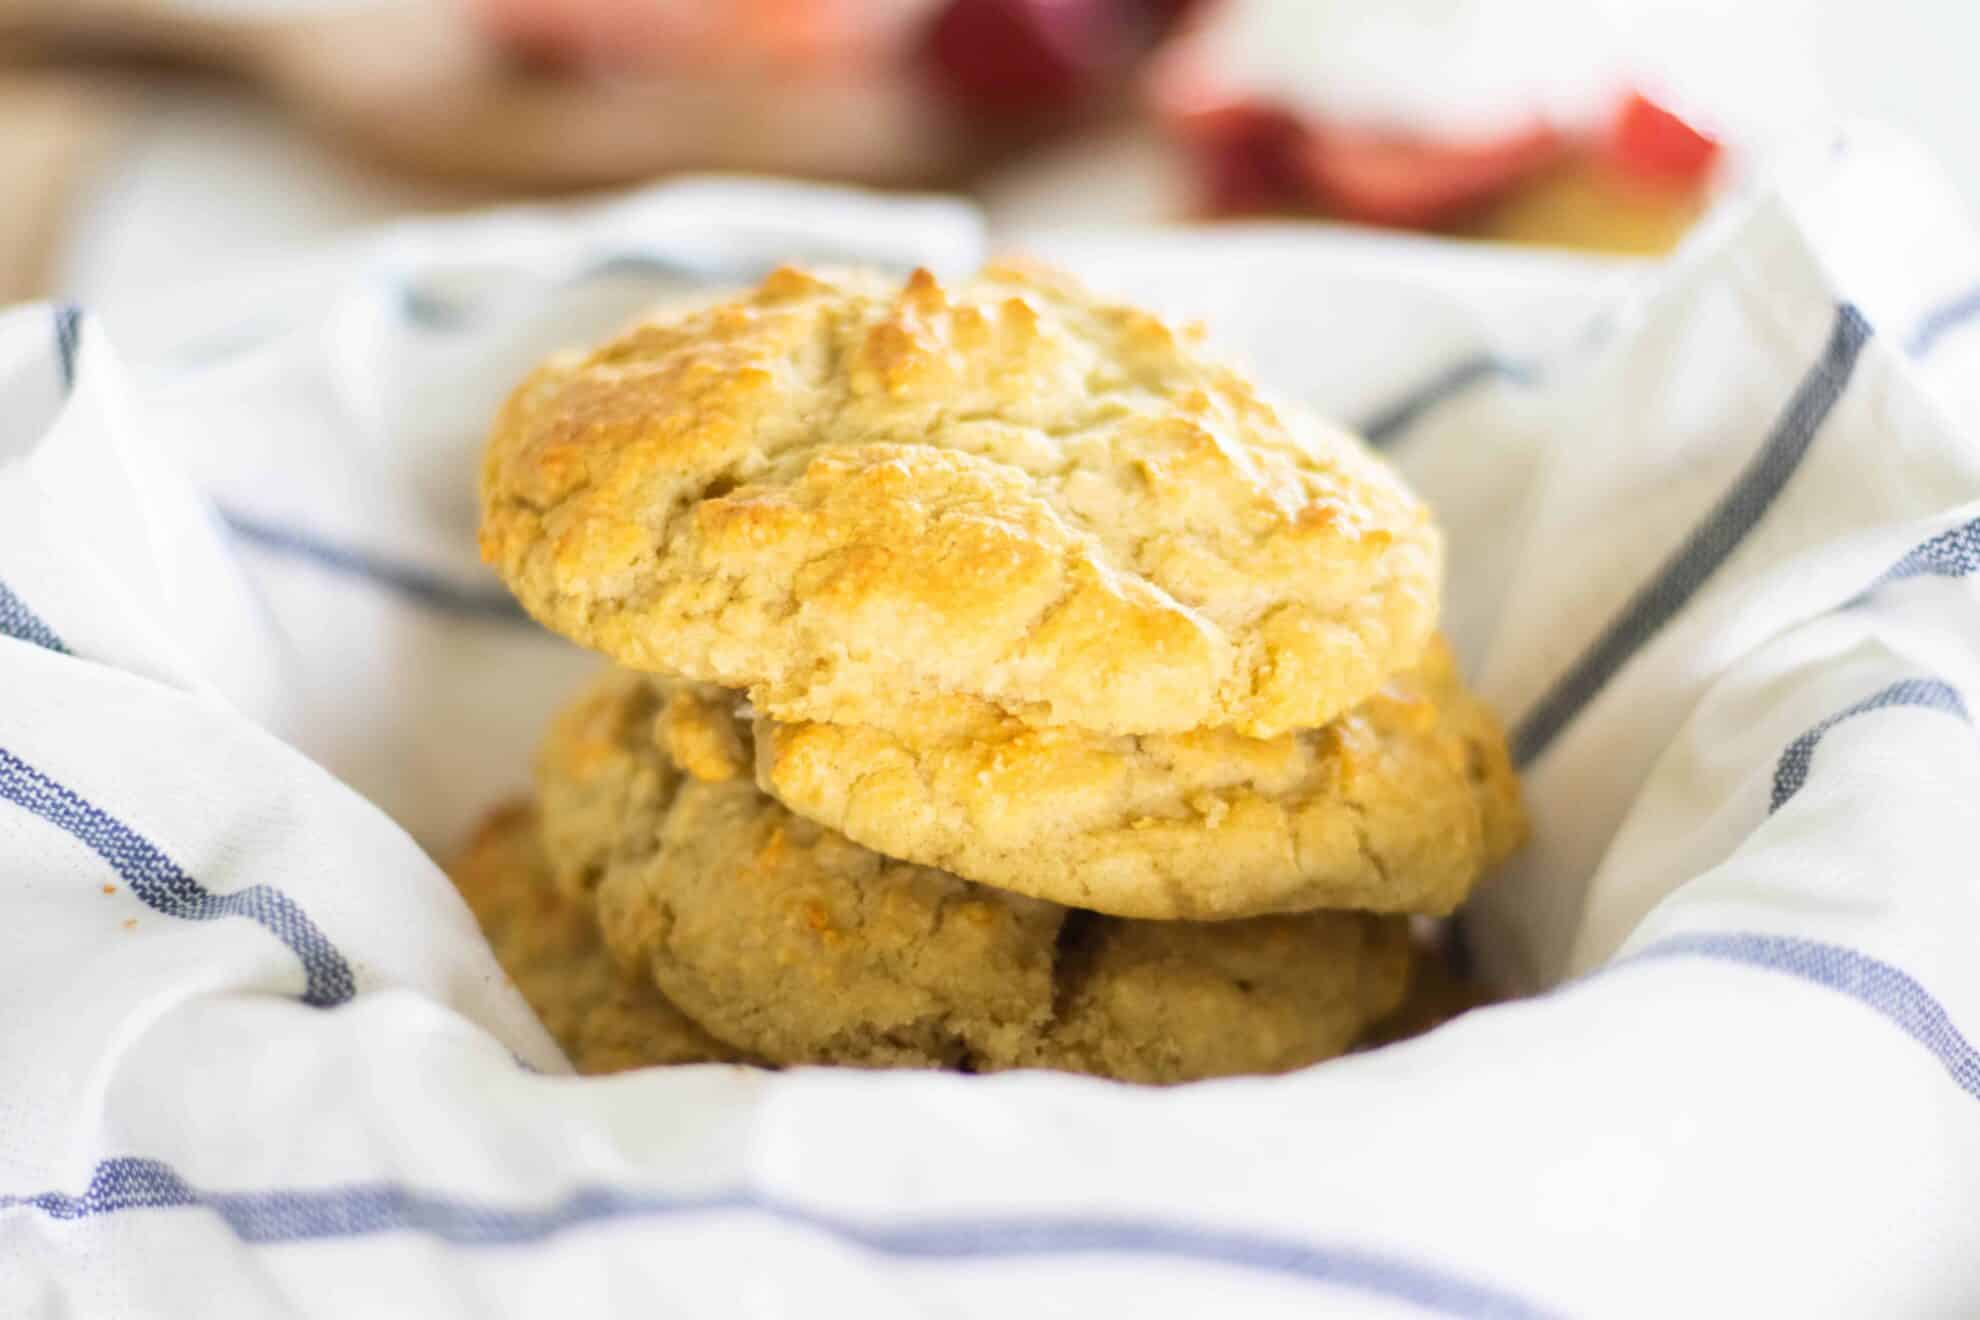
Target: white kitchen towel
[1713, 528]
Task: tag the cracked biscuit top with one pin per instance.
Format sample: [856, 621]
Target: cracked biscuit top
[1399, 805]
[837, 493]
[796, 945]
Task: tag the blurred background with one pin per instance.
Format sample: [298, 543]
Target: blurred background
[145, 141]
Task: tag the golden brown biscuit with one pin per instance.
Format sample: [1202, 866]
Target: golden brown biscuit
[800, 946]
[605, 1020]
[1400, 805]
[841, 495]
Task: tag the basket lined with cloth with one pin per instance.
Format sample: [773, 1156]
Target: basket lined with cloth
[1713, 530]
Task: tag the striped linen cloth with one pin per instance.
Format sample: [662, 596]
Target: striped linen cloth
[1714, 529]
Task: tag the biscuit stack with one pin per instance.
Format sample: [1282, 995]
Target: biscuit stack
[1000, 682]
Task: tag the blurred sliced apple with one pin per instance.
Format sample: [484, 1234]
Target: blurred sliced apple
[1415, 182]
[1653, 146]
[1258, 136]
[1637, 191]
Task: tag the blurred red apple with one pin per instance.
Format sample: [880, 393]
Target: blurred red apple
[1247, 159]
[1019, 57]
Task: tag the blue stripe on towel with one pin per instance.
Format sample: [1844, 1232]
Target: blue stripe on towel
[434, 310]
[1884, 989]
[68, 340]
[17, 620]
[23, 624]
[354, 1210]
[1953, 553]
[1386, 426]
[1941, 321]
[1923, 693]
[421, 585]
[161, 885]
[1710, 544]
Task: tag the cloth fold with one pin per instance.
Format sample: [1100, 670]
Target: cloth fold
[1714, 527]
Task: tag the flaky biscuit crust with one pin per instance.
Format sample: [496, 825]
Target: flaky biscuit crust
[1399, 805]
[836, 494]
[604, 1019]
[797, 945]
